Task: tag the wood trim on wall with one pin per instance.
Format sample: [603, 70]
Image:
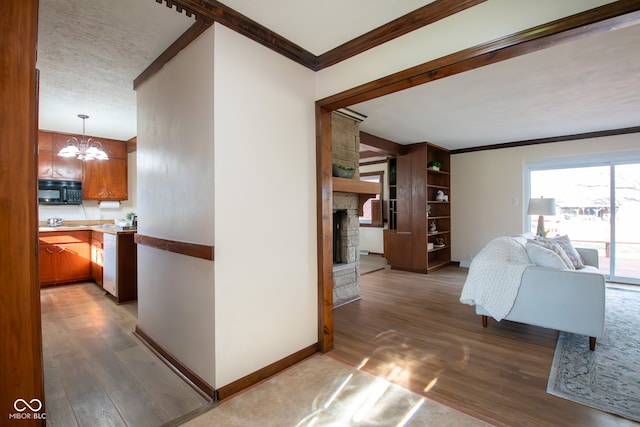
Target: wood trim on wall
[264, 373]
[184, 248]
[20, 313]
[588, 135]
[194, 380]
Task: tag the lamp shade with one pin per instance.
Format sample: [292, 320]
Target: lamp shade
[542, 206]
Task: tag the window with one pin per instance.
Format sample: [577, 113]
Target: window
[372, 208]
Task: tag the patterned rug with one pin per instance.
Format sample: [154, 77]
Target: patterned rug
[608, 378]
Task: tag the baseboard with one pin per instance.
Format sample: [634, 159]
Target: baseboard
[264, 373]
[190, 377]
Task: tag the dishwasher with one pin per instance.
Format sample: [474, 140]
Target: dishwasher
[109, 268]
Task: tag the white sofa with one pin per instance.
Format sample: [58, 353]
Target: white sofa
[566, 300]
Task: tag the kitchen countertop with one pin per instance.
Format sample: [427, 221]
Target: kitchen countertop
[102, 228]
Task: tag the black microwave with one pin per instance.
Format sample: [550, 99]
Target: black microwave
[53, 192]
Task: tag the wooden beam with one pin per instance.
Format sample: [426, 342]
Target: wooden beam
[183, 41]
[213, 10]
[381, 145]
[367, 154]
[588, 135]
[414, 20]
[593, 21]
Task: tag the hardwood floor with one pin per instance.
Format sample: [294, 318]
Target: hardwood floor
[96, 372]
[412, 329]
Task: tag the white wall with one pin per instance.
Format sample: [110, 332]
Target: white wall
[371, 238]
[265, 210]
[482, 23]
[176, 202]
[90, 210]
[485, 183]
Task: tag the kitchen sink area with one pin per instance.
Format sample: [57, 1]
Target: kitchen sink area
[85, 251]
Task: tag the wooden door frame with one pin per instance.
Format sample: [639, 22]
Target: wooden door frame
[602, 19]
[20, 323]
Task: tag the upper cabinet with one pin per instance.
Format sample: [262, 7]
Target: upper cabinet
[101, 179]
[52, 166]
[107, 179]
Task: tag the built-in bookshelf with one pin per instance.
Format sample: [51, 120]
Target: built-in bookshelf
[419, 234]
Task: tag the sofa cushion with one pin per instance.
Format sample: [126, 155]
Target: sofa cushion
[571, 252]
[543, 257]
[555, 247]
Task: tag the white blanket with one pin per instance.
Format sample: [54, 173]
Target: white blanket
[495, 275]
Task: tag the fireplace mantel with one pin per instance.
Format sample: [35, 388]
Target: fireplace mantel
[365, 189]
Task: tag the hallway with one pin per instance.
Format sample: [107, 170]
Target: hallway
[96, 372]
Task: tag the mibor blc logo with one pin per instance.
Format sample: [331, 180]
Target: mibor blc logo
[27, 410]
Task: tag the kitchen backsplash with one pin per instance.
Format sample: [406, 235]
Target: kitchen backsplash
[88, 211]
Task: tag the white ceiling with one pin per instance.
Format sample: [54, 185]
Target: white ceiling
[589, 85]
[90, 51]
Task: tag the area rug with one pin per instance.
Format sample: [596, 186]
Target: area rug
[608, 378]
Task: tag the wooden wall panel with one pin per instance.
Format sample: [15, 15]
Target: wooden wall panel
[20, 330]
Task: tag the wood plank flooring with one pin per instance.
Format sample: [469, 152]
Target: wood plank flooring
[412, 329]
[96, 372]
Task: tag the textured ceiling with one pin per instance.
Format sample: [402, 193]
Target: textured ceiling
[89, 53]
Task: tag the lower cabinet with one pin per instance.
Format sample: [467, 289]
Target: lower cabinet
[64, 256]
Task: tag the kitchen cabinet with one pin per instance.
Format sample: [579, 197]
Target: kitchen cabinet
[97, 257]
[52, 166]
[107, 179]
[101, 179]
[64, 256]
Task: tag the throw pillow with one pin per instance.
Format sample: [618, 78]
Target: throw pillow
[543, 257]
[555, 247]
[572, 253]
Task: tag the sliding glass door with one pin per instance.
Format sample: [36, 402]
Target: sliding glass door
[626, 227]
[598, 206]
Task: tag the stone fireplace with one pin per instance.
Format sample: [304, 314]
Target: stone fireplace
[346, 227]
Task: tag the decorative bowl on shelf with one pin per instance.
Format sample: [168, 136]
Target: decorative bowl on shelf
[342, 171]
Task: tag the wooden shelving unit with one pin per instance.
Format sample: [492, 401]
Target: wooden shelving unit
[409, 243]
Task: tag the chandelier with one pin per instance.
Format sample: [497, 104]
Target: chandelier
[85, 149]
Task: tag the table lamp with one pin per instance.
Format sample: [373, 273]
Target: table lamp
[541, 207]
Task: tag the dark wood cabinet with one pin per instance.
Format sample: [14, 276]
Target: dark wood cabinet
[64, 256]
[101, 179]
[409, 242]
[105, 180]
[52, 166]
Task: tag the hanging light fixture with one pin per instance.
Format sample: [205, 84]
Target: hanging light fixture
[85, 149]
